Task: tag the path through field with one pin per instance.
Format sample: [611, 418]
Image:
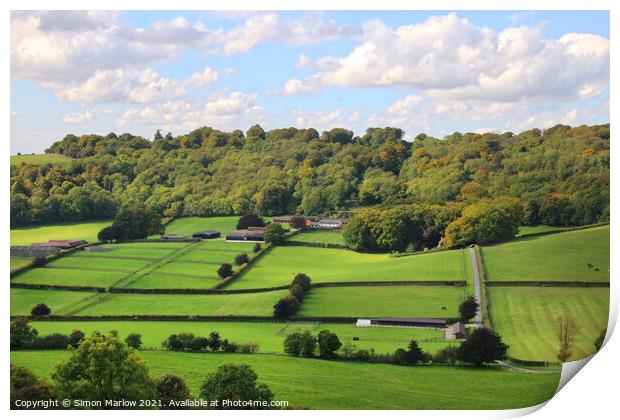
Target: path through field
[474, 266]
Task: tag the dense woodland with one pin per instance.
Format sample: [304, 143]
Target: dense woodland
[558, 177]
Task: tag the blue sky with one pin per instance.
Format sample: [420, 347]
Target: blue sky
[431, 71]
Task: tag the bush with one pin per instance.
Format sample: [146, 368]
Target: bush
[22, 334]
[214, 341]
[25, 386]
[229, 347]
[112, 233]
[300, 344]
[249, 347]
[257, 248]
[328, 343]
[482, 346]
[286, 307]
[298, 222]
[225, 271]
[468, 308]
[50, 342]
[173, 343]
[41, 310]
[242, 259]
[447, 356]
[134, 340]
[297, 292]
[302, 280]
[75, 338]
[275, 234]
[171, 388]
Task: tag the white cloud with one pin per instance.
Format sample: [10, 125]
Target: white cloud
[325, 121]
[129, 86]
[226, 112]
[83, 117]
[450, 57]
[14, 114]
[303, 61]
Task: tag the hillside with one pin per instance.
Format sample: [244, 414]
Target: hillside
[561, 175]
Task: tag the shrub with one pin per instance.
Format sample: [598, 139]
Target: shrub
[214, 341]
[25, 386]
[50, 342]
[298, 222]
[173, 343]
[22, 334]
[447, 356]
[328, 343]
[171, 388]
[41, 309]
[257, 248]
[112, 233]
[225, 271]
[242, 259]
[275, 234]
[415, 355]
[302, 280]
[75, 338]
[229, 347]
[198, 344]
[286, 307]
[300, 344]
[249, 347]
[134, 340]
[468, 308]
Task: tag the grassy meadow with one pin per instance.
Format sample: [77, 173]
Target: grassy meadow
[279, 266]
[260, 304]
[319, 236]
[23, 300]
[40, 159]
[562, 257]
[19, 262]
[525, 317]
[81, 230]
[323, 384]
[189, 225]
[376, 301]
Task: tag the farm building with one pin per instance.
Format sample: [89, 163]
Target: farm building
[172, 237]
[402, 322]
[287, 219]
[246, 235]
[325, 223]
[260, 229]
[62, 243]
[33, 251]
[97, 248]
[455, 331]
[207, 234]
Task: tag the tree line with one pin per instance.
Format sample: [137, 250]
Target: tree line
[561, 175]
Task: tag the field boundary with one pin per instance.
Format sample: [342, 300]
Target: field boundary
[30, 286]
[225, 282]
[315, 244]
[547, 283]
[196, 318]
[562, 230]
[484, 296]
[51, 258]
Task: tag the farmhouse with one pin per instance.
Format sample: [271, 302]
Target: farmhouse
[325, 223]
[33, 251]
[402, 322]
[62, 243]
[455, 331]
[207, 234]
[172, 237]
[246, 235]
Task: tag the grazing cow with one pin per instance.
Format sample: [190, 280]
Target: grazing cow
[443, 308]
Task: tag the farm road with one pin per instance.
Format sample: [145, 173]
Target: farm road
[474, 266]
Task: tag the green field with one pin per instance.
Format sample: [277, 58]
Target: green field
[525, 318]
[40, 159]
[378, 301]
[68, 277]
[81, 230]
[322, 384]
[279, 266]
[529, 230]
[269, 335]
[19, 262]
[319, 236]
[260, 304]
[23, 300]
[189, 225]
[561, 257]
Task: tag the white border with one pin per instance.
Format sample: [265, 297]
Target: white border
[592, 395]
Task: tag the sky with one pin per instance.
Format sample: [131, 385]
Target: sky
[437, 72]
